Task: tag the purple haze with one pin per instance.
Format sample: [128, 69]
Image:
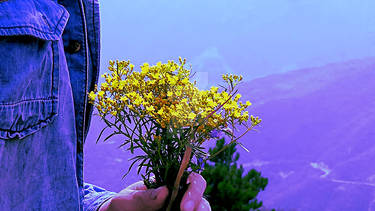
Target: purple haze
[315, 144]
[316, 141]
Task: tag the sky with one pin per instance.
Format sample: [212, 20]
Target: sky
[254, 38]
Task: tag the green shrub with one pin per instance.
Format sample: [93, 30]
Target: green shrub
[227, 188]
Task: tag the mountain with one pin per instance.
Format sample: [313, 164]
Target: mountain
[316, 143]
[317, 140]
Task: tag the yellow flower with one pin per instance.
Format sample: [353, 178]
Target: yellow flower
[161, 112]
[92, 96]
[185, 81]
[100, 93]
[104, 85]
[150, 108]
[154, 76]
[238, 96]
[192, 116]
[214, 89]
[138, 101]
[145, 68]
[135, 83]
[122, 85]
[174, 113]
[169, 94]
[178, 93]
[211, 103]
[172, 80]
[115, 84]
[179, 107]
[149, 96]
[131, 95]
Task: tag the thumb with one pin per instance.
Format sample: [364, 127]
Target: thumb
[152, 198]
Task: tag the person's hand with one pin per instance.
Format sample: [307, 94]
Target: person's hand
[193, 198]
[137, 197]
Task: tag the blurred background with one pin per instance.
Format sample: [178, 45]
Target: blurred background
[309, 70]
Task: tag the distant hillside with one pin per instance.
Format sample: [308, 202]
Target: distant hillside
[317, 140]
[316, 143]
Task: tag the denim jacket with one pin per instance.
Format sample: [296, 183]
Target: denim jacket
[49, 60]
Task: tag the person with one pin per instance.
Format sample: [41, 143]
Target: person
[49, 61]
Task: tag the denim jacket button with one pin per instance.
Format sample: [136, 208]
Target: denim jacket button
[73, 47]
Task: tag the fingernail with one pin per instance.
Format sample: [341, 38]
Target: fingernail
[155, 193]
[189, 206]
[191, 176]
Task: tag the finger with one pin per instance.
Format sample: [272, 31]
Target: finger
[137, 186]
[194, 193]
[151, 199]
[140, 185]
[203, 206]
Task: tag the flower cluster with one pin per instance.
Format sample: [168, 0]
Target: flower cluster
[161, 111]
[165, 94]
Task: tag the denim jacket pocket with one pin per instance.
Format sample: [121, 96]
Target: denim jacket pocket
[29, 65]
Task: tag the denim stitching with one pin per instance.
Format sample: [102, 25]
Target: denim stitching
[52, 98]
[58, 22]
[25, 26]
[53, 68]
[31, 126]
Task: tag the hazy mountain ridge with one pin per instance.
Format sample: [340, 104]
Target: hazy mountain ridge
[316, 137]
[307, 80]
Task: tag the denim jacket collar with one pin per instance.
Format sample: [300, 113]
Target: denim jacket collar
[34, 18]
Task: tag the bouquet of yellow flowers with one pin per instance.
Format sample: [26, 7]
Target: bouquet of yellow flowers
[161, 112]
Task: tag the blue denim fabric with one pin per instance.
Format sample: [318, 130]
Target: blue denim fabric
[44, 115]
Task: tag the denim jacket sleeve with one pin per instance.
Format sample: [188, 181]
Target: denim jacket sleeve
[95, 196]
